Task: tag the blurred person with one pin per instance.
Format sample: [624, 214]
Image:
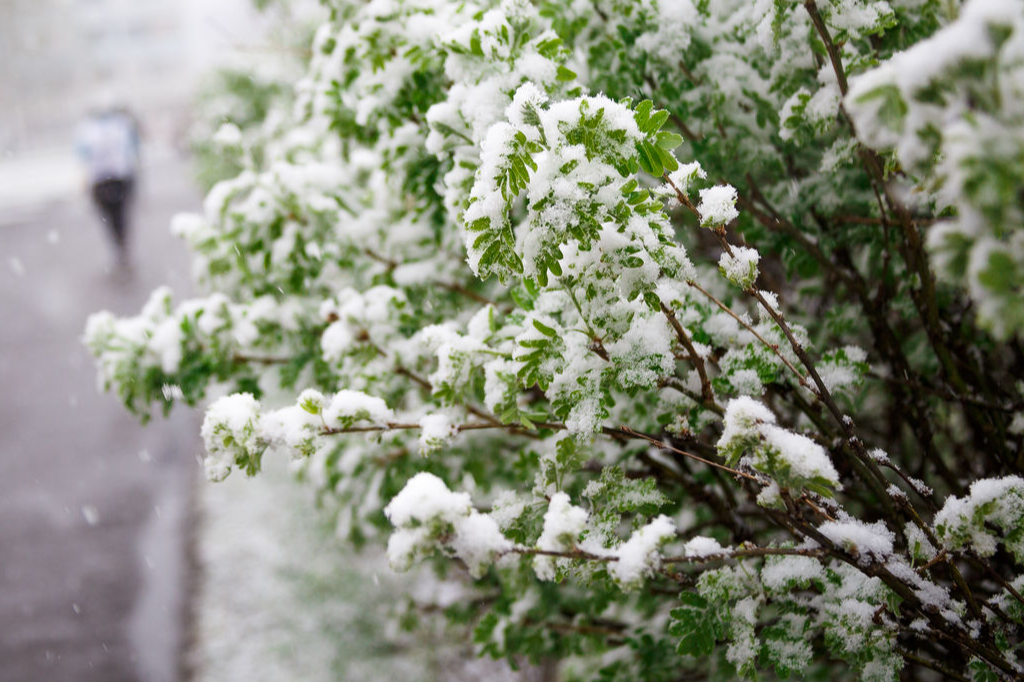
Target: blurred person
[107, 142]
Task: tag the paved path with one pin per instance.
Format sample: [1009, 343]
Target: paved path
[93, 507]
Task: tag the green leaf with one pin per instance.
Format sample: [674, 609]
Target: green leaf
[544, 329]
[310, 406]
[516, 263]
[657, 120]
[1000, 274]
[652, 301]
[980, 672]
[638, 197]
[643, 113]
[893, 601]
[696, 625]
[549, 48]
[474, 44]
[669, 141]
[646, 162]
[563, 74]
[667, 159]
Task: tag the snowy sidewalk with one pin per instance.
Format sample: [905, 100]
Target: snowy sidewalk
[93, 507]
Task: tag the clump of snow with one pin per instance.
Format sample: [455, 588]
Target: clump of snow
[426, 515]
[311, 400]
[638, 556]
[793, 459]
[918, 544]
[291, 427]
[879, 455]
[779, 573]
[644, 353]
[507, 507]
[426, 499]
[528, 98]
[478, 540]
[771, 300]
[770, 496]
[868, 542]
[349, 406]
[895, 492]
[746, 381]
[230, 433]
[436, 431]
[740, 266]
[457, 355]
[700, 547]
[922, 488]
[742, 417]
[717, 206]
[804, 458]
[675, 21]
[934, 596]
[563, 523]
[686, 175]
[165, 343]
[228, 135]
[840, 371]
[336, 341]
[992, 503]
[406, 546]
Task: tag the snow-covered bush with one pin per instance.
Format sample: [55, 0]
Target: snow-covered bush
[691, 331]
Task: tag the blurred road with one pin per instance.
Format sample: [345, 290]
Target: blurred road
[94, 508]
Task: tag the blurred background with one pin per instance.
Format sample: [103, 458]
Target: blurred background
[60, 57]
[96, 512]
[58, 54]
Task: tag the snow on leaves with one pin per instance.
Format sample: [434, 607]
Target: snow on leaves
[791, 459]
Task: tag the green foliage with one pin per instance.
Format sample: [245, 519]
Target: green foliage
[698, 625]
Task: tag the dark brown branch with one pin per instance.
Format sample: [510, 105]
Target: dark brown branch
[932, 665]
[707, 393]
[243, 358]
[833, 52]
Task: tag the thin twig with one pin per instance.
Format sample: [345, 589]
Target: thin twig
[665, 446]
[771, 346]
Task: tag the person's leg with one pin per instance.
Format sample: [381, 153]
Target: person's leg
[110, 198]
[124, 211]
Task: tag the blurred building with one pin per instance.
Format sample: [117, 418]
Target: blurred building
[59, 57]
